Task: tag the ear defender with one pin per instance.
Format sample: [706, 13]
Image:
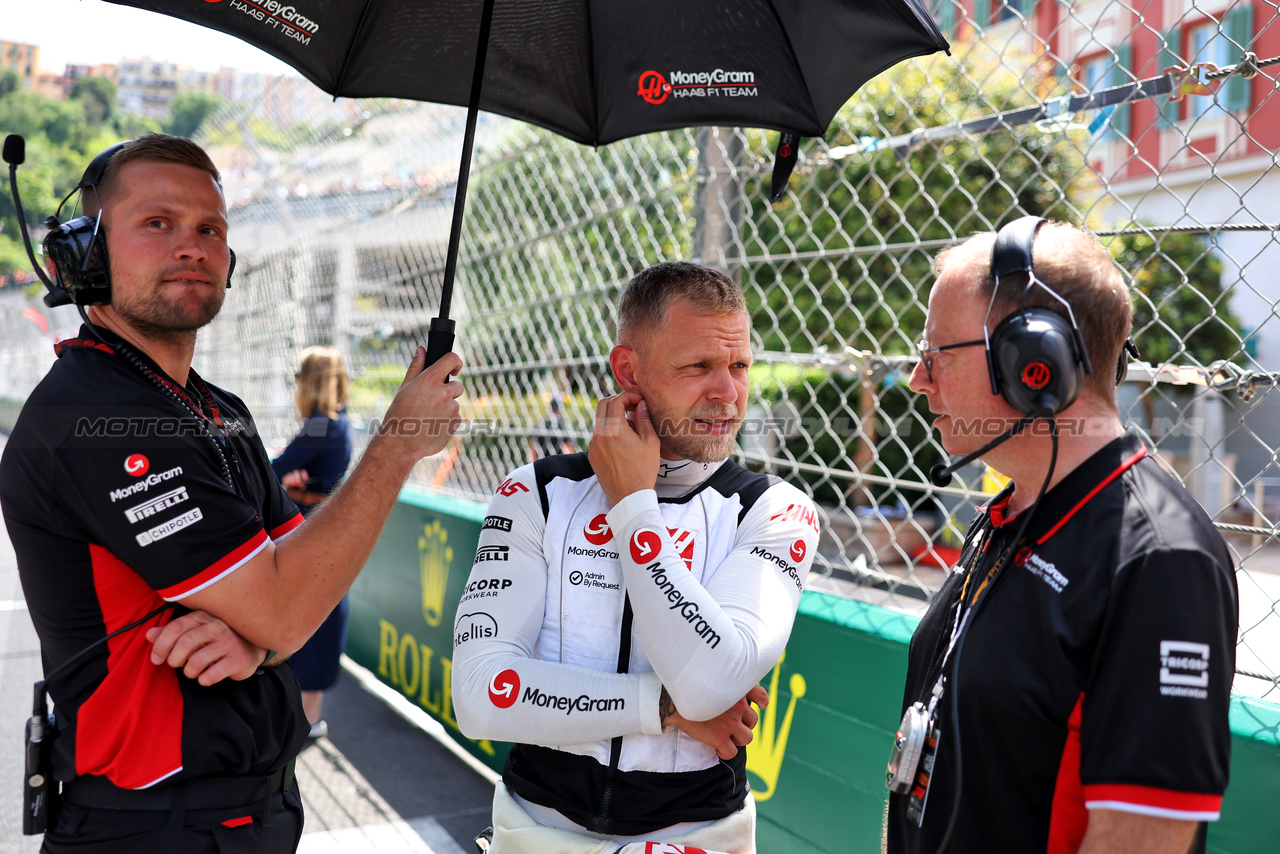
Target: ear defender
[78, 247]
[1035, 356]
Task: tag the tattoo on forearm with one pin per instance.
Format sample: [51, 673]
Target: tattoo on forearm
[666, 706]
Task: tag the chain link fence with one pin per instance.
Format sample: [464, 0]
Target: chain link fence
[1154, 126]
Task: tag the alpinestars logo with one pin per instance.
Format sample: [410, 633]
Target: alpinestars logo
[1184, 669]
[655, 88]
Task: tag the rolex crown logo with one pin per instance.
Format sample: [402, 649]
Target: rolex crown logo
[434, 557]
[768, 743]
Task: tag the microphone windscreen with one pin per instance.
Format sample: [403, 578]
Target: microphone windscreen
[940, 475]
[15, 149]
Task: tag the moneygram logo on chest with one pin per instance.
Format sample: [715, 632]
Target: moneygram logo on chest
[598, 534]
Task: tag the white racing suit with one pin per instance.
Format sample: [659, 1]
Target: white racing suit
[576, 615]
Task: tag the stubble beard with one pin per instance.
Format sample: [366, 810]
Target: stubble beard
[686, 438]
[168, 320]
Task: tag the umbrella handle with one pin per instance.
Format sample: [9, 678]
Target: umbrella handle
[439, 339]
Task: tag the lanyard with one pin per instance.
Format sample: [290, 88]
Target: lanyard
[966, 605]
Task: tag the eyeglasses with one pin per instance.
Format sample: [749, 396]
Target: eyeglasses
[927, 353]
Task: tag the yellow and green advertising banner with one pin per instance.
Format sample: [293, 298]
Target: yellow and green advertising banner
[817, 761]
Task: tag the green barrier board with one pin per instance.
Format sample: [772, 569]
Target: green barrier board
[817, 762]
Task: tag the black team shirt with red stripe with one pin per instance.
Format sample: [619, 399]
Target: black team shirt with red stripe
[1097, 673]
[116, 505]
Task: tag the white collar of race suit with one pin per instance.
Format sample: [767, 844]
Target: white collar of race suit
[676, 477]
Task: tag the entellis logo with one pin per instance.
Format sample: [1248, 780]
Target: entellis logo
[1036, 375]
[504, 690]
[654, 88]
[137, 465]
[768, 743]
[597, 531]
[645, 545]
[434, 557]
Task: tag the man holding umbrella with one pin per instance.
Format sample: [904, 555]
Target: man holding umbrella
[170, 527]
[625, 602]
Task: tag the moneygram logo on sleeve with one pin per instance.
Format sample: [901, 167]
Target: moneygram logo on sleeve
[645, 545]
[146, 483]
[504, 689]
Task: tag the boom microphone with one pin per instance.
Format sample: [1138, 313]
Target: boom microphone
[15, 153]
[15, 149]
[941, 475]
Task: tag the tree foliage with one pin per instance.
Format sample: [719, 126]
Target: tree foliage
[1180, 309]
[189, 110]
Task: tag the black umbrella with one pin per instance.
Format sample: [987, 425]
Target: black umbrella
[595, 71]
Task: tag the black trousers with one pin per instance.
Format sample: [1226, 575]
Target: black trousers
[271, 826]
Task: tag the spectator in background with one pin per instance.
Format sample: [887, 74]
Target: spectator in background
[310, 468]
[558, 441]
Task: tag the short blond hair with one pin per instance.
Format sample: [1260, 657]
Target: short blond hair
[322, 382]
[644, 303]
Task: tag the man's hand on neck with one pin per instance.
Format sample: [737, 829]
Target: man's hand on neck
[624, 452]
[172, 352]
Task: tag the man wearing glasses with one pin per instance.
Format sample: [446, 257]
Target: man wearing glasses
[1068, 688]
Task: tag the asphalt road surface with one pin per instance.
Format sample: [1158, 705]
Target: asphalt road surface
[378, 783]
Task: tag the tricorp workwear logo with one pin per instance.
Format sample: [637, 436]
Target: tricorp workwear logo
[434, 557]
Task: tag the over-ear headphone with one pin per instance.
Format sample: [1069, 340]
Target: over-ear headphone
[78, 247]
[1035, 357]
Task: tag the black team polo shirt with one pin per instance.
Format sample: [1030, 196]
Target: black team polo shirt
[1096, 673]
[115, 508]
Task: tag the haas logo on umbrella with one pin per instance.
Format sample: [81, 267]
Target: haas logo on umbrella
[597, 531]
[654, 88]
[645, 545]
[504, 689]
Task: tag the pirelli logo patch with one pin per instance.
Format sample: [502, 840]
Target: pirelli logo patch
[157, 504]
[173, 526]
[1184, 669]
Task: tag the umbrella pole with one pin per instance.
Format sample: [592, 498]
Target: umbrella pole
[440, 334]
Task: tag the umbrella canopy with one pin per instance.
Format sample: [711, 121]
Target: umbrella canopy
[594, 71]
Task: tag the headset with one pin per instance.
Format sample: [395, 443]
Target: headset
[1036, 358]
[77, 247]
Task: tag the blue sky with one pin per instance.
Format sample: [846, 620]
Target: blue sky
[91, 32]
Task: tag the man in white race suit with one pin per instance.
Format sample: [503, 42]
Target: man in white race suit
[625, 603]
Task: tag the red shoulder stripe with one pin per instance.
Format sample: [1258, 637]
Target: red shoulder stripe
[281, 531]
[225, 566]
[1148, 800]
